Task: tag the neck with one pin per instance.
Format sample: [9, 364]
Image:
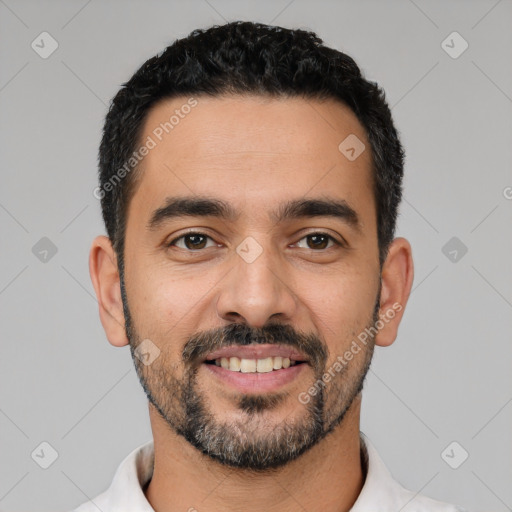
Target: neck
[329, 476]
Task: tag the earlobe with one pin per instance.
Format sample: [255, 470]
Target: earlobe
[397, 277]
[105, 279]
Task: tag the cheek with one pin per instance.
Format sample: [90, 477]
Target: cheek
[168, 307]
[342, 308]
[157, 302]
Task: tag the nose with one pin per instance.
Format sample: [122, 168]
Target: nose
[256, 290]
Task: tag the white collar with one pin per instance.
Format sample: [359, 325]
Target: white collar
[380, 493]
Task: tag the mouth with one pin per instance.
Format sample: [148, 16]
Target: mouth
[265, 365]
[256, 368]
[262, 358]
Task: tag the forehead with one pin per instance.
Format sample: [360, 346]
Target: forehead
[251, 148]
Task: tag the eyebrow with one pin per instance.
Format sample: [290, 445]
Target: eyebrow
[193, 206]
[324, 207]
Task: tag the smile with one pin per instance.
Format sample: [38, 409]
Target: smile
[256, 368]
[265, 365]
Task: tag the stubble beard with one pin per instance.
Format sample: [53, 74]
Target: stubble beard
[251, 443]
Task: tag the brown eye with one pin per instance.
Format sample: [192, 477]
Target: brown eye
[195, 241]
[192, 241]
[317, 241]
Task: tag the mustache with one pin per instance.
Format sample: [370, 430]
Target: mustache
[200, 345]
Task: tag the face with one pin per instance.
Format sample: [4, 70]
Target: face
[251, 265]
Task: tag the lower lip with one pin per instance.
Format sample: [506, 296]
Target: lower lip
[256, 382]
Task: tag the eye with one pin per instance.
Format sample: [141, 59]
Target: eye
[317, 241]
[192, 242]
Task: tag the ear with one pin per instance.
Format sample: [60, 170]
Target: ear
[396, 277]
[105, 279]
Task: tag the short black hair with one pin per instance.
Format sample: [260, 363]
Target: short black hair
[243, 57]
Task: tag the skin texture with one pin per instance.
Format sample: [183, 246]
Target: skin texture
[254, 153]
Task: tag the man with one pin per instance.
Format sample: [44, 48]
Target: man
[250, 179]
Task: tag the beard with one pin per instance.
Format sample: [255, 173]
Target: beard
[252, 441]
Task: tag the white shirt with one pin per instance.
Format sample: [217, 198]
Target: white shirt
[380, 493]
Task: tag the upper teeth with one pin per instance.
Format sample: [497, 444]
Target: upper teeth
[265, 365]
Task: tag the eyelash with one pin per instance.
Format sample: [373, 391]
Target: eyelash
[190, 233]
[315, 233]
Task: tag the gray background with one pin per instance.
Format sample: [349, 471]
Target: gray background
[447, 378]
